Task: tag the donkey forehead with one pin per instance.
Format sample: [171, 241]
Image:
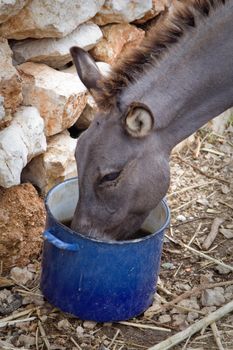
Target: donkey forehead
[104, 130]
[105, 126]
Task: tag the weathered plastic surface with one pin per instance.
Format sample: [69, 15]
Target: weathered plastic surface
[95, 280]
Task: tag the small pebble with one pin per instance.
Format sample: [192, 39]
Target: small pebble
[213, 297]
[222, 270]
[189, 304]
[64, 324]
[5, 294]
[192, 316]
[179, 319]
[31, 268]
[80, 332]
[229, 293]
[89, 324]
[102, 347]
[229, 289]
[168, 266]
[225, 189]
[207, 278]
[165, 319]
[43, 318]
[203, 201]
[21, 275]
[60, 341]
[166, 240]
[181, 218]
[26, 340]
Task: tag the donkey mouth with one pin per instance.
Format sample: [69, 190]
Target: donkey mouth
[92, 232]
[125, 230]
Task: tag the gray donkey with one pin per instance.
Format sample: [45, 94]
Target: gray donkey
[181, 77]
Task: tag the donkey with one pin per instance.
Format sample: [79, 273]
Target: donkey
[180, 78]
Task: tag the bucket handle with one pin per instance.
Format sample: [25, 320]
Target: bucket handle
[48, 236]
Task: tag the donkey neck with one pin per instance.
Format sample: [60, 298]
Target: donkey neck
[192, 82]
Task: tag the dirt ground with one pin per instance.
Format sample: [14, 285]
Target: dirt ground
[22, 217]
[200, 192]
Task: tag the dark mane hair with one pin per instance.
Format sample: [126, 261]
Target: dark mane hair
[161, 37]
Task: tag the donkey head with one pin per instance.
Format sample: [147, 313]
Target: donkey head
[122, 167]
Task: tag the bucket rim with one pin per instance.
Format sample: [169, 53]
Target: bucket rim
[110, 242]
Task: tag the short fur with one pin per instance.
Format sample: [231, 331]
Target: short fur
[179, 80]
[183, 16]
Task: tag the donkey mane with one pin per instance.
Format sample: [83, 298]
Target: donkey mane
[183, 16]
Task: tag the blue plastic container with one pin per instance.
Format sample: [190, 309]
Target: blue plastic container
[96, 280]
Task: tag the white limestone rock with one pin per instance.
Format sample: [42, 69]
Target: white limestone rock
[55, 165]
[55, 52]
[87, 115]
[5, 117]
[158, 6]
[19, 143]
[9, 8]
[2, 109]
[49, 18]
[104, 68]
[118, 11]
[89, 111]
[60, 97]
[71, 70]
[118, 40]
[10, 82]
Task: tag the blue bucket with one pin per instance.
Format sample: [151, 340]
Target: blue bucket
[93, 279]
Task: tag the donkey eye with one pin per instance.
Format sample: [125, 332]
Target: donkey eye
[110, 177]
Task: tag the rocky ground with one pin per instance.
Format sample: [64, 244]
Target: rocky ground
[190, 285]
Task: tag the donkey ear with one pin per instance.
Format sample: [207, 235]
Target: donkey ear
[139, 120]
[87, 69]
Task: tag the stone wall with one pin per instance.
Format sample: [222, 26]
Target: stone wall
[41, 96]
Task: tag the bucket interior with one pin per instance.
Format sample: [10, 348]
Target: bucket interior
[63, 198]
